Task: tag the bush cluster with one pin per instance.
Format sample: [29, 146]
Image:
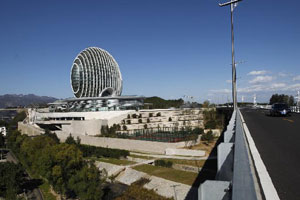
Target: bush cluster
[163, 163]
[92, 151]
[208, 136]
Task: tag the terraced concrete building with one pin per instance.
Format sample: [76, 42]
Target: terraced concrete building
[95, 73]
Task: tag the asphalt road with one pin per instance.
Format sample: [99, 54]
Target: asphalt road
[278, 142]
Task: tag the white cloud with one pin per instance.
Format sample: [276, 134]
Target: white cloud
[262, 72]
[221, 91]
[296, 78]
[293, 87]
[228, 81]
[282, 74]
[261, 79]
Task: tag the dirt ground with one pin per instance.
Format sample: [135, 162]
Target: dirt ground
[207, 147]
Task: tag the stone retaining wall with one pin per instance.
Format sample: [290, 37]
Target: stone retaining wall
[127, 144]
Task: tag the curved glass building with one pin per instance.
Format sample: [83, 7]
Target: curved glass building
[95, 73]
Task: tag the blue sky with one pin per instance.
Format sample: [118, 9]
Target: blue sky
[166, 48]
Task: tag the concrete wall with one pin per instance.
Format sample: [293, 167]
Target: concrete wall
[29, 129]
[127, 144]
[87, 127]
[184, 152]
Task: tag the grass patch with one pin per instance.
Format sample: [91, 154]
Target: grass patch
[116, 161]
[168, 173]
[195, 163]
[45, 187]
[142, 157]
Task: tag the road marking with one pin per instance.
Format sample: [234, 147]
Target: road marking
[289, 120]
[265, 180]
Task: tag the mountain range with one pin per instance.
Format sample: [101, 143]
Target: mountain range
[20, 100]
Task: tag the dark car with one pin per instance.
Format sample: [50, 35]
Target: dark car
[280, 109]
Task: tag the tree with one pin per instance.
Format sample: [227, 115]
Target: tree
[291, 101]
[11, 179]
[52, 135]
[70, 140]
[282, 98]
[86, 183]
[19, 117]
[205, 104]
[207, 136]
[67, 160]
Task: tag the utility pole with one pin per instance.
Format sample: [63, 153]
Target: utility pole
[232, 4]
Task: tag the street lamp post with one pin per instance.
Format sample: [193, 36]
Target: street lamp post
[234, 96]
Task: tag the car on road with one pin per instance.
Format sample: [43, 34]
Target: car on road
[280, 109]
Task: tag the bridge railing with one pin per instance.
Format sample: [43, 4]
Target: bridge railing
[235, 179]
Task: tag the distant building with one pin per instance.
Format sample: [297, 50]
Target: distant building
[97, 84]
[95, 73]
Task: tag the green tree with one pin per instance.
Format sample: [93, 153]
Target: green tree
[70, 140]
[19, 117]
[291, 101]
[205, 104]
[67, 159]
[208, 137]
[86, 183]
[52, 135]
[11, 179]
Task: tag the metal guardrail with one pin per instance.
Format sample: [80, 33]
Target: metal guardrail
[235, 176]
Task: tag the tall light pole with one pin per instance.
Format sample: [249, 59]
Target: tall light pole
[234, 96]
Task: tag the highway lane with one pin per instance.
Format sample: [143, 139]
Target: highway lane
[278, 142]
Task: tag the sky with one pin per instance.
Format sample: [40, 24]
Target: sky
[166, 48]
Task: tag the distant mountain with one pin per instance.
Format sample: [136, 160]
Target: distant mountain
[20, 100]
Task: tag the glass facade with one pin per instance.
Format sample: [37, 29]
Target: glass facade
[95, 73]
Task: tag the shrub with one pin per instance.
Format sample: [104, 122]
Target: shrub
[145, 126]
[158, 114]
[198, 131]
[140, 121]
[124, 127]
[211, 124]
[207, 136]
[128, 121]
[128, 116]
[163, 163]
[170, 119]
[150, 114]
[148, 120]
[89, 151]
[134, 115]
[70, 140]
[140, 116]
